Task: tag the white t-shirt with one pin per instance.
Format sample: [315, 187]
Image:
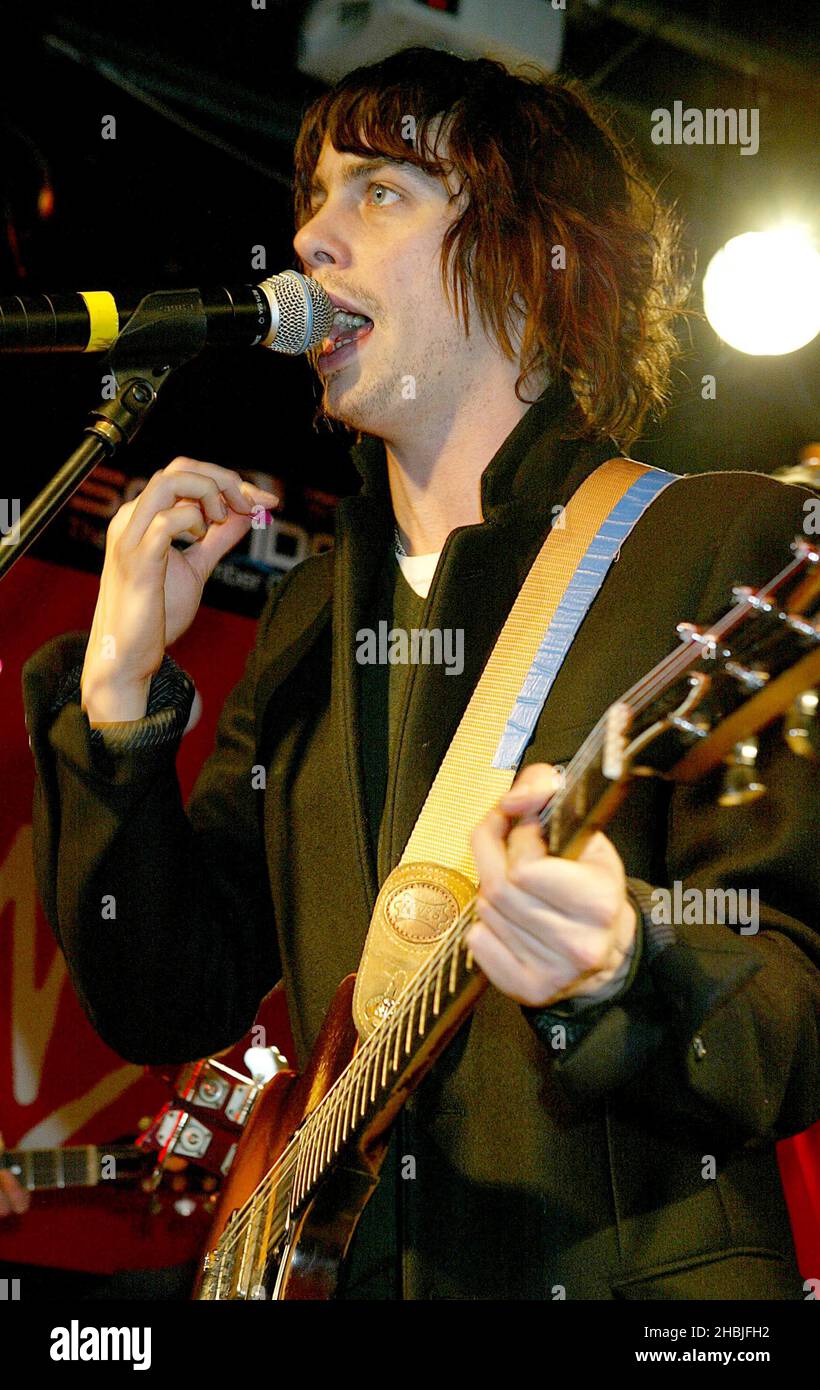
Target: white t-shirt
[418, 570]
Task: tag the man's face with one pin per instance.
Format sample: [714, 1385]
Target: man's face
[374, 241]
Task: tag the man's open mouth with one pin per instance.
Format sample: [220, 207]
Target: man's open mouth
[346, 328]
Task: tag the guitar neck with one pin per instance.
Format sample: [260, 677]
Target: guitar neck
[80, 1166]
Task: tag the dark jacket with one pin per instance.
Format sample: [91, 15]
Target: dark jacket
[584, 1169]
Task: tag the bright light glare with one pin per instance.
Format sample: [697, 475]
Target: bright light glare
[761, 292]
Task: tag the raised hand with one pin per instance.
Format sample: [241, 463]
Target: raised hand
[150, 590]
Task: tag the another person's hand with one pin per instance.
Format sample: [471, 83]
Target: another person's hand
[549, 928]
[149, 590]
[14, 1199]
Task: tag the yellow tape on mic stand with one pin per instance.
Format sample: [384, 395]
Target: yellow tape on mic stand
[104, 319]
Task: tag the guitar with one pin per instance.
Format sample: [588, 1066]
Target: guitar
[83, 1165]
[198, 1129]
[310, 1155]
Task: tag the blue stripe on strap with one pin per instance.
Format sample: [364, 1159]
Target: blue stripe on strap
[571, 611]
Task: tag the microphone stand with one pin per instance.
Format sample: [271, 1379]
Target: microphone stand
[167, 329]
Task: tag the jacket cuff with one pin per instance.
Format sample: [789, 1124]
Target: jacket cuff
[170, 699]
[572, 1019]
[684, 976]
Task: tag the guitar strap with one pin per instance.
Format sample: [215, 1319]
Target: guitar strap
[436, 877]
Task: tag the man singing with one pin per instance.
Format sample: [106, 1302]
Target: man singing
[604, 1125]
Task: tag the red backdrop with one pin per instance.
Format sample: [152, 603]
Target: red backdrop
[58, 1082]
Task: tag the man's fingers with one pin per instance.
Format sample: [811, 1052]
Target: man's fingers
[236, 491]
[530, 939]
[600, 850]
[217, 541]
[531, 790]
[501, 966]
[13, 1197]
[217, 489]
[501, 841]
[489, 848]
[170, 526]
[164, 490]
[525, 843]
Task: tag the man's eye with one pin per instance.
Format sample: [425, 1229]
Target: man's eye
[383, 188]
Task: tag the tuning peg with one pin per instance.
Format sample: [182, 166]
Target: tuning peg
[740, 783]
[688, 631]
[153, 1180]
[800, 725]
[750, 679]
[745, 591]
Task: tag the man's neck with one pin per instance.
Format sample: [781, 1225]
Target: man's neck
[435, 475]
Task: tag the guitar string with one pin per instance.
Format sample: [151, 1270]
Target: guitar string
[418, 986]
[280, 1172]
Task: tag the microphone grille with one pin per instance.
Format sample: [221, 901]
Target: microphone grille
[302, 312]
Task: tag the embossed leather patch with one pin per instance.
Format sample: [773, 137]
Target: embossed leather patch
[421, 911]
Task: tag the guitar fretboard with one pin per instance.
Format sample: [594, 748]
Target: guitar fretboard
[79, 1166]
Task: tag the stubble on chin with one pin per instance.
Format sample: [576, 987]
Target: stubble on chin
[358, 404]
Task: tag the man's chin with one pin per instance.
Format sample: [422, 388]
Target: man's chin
[343, 404]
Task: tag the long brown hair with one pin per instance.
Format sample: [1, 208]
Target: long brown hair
[559, 222]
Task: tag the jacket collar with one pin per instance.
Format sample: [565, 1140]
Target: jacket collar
[525, 473]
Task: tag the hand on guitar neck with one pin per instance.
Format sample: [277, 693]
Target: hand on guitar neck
[548, 928]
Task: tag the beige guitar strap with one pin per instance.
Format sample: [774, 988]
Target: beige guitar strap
[436, 877]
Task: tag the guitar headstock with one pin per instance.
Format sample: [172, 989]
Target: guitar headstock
[706, 702]
[753, 663]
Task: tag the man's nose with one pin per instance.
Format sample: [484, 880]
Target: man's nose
[318, 243]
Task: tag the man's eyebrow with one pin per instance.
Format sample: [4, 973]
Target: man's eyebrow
[353, 172]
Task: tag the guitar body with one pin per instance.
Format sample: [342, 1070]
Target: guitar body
[308, 1265]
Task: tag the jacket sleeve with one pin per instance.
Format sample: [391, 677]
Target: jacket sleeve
[165, 918]
[717, 1026]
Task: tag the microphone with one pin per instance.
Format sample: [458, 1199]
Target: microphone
[289, 313]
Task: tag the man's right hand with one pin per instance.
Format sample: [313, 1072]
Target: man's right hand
[150, 591]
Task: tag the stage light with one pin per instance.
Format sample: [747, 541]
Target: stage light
[761, 291]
